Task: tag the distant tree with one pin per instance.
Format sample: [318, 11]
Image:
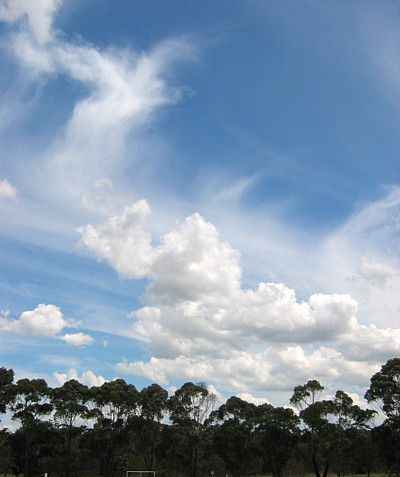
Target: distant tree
[6, 458]
[305, 398]
[350, 421]
[306, 395]
[277, 435]
[30, 404]
[6, 379]
[234, 423]
[112, 404]
[70, 404]
[146, 427]
[73, 430]
[328, 425]
[385, 391]
[189, 407]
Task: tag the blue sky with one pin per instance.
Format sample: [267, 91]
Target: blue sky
[196, 189]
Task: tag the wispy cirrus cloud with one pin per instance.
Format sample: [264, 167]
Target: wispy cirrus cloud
[123, 89]
[39, 15]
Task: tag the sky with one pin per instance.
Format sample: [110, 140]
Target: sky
[200, 191]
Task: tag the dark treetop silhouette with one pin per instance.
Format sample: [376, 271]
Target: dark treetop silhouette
[74, 430]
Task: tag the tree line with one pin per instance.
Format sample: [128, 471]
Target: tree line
[77, 431]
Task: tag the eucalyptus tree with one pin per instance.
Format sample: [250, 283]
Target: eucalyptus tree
[189, 408]
[70, 408]
[6, 380]
[112, 404]
[328, 425]
[350, 423]
[147, 425]
[305, 399]
[30, 404]
[233, 429]
[384, 390]
[277, 435]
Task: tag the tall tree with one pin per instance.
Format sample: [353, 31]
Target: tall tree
[29, 404]
[234, 423]
[6, 379]
[189, 408]
[113, 404]
[70, 403]
[385, 391]
[277, 435]
[327, 425]
[349, 421]
[147, 427]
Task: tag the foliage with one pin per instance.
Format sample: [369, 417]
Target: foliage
[76, 431]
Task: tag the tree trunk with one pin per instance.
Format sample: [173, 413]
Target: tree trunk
[315, 465]
[27, 455]
[194, 462]
[68, 463]
[326, 469]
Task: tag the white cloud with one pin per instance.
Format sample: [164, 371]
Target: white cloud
[191, 262]
[38, 13]
[44, 320]
[123, 91]
[122, 241]
[362, 258]
[278, 368]
[257, 400]
[200, 323]
[235, 191]
[195, 282]
[372, 343]
[377, 273]
[7, 190]
[88, 377]
[77, 339]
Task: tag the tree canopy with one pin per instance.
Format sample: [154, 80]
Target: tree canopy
[74, 430]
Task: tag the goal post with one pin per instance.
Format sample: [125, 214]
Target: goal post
[140, 473]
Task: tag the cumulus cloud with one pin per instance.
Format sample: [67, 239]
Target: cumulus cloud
[190, 263]
[277, 368]
[200, 322]
[257, 400]
[44, 320]
[77, 339]
[122, 241]
[7, 190]
[88, 377]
